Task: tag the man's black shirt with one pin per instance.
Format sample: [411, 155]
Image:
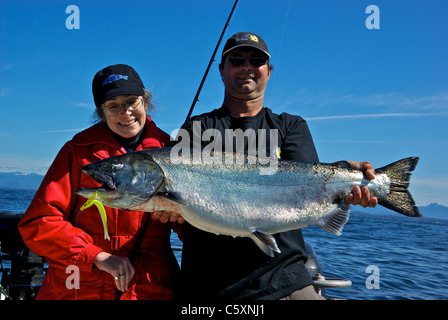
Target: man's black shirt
[223, 267]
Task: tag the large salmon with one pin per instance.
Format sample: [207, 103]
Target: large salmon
[233, 198]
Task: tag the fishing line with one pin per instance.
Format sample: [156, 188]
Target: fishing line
[280, 49]
[76, 226]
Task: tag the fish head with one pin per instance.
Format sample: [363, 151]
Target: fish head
[127, 180]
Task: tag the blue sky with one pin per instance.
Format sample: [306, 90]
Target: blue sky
[375, 95]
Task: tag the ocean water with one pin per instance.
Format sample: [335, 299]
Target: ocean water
[408, 256]
[386, 257]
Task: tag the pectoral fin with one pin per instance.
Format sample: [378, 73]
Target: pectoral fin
[335, 221]
[265, 241]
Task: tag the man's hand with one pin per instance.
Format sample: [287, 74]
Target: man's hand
[361, 195]
[165, 216]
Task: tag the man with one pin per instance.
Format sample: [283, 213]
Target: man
[223, 267]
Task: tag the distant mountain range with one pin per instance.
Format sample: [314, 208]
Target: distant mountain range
[18, 180]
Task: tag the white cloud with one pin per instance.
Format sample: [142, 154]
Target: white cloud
[430, 189]
[4, 92]
[436, 182]
[437, 101]
[9, 66]
[378, 115]
[395, 102]
[82, 105]
[61, 130]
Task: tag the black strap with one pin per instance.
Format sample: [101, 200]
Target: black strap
[139, 239]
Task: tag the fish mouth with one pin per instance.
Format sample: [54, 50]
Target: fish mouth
[106, 182]
[107, 186]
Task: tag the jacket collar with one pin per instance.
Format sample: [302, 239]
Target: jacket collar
[100, 134]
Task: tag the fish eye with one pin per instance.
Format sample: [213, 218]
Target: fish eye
[119, 166]
[114, 167]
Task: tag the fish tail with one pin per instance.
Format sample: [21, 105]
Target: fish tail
[399, 198]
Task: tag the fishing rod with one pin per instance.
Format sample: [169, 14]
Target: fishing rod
[187, 120]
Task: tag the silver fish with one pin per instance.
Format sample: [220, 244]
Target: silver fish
[233, 198]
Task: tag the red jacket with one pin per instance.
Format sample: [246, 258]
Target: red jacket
[54, 227]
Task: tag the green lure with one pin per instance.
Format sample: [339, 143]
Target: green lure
[102, 211]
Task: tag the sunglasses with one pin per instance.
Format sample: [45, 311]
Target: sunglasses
[238, 61]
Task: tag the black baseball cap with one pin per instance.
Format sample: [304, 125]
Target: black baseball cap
[245, 39]
[116, 80]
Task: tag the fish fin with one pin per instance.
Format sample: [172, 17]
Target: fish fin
[265, 241]
[400, 199]
[173, 196]
[335, 221]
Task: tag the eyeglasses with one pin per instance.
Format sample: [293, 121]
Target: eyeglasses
[238, 61]
[116, 108]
